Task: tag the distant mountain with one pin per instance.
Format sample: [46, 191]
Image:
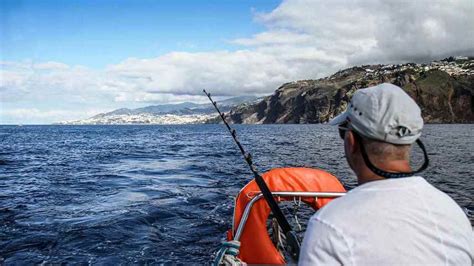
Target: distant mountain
[152, 109]
[181, 113]
[443, 89]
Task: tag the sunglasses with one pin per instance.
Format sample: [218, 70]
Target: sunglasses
[342, 130]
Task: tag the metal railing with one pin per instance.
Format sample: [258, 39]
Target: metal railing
[294, 194]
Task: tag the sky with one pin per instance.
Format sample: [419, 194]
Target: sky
[67, 60]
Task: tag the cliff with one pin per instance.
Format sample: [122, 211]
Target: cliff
[443, 89]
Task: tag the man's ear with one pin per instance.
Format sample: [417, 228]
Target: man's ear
[351, 142]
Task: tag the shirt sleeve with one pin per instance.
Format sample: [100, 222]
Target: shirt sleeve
[323, 244]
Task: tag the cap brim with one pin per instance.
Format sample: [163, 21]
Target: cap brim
[341, 118]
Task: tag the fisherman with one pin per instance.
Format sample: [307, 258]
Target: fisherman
[393, 216]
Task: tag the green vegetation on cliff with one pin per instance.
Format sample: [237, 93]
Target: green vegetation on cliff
[443, 89]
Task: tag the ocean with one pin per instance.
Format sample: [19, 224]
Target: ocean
[159, 194]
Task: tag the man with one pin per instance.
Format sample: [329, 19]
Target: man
[393, 216]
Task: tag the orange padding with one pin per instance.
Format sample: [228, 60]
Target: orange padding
[256, 245]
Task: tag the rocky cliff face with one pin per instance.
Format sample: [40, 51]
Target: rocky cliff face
[443, 89]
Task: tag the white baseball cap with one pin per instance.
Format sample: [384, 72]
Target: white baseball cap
[383, 112]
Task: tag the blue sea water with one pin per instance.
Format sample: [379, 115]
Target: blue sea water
[158, 194]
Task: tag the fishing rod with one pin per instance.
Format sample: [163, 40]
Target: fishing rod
[291, 237]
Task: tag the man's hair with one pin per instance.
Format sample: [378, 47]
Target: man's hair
[383, 151]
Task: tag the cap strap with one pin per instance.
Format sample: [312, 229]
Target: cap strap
[386, 174]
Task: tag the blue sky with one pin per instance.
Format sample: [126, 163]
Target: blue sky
[97, 33]
[71, 59]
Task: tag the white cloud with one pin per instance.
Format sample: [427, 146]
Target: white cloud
[275, 37]
[303, 39]
[50, 66]
[23, 79]
[223, 72]
[379, 31]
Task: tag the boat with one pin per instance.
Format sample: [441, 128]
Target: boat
[255, 237]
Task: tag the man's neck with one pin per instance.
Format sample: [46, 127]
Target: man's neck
[365, 175]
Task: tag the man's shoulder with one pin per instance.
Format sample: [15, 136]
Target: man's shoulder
[372, 197]
[382, 198]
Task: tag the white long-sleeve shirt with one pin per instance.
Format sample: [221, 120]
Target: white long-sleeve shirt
[403, 221]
